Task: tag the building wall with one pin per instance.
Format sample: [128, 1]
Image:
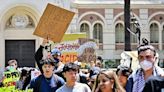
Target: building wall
[33, 9]
[114, 13]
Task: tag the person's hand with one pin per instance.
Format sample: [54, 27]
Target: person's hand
[162, 75]
[45, 41]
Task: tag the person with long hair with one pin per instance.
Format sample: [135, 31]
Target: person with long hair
[107, 81]
[123, 72]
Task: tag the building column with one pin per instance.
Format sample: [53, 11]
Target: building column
[145, 32]
[109, 35]
[74, 25]
[160, 37]
[2, 49]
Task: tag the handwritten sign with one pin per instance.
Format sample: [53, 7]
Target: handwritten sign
[53, 23]
[68, 50]
[69, 57]
[86, 52]
[11, 78]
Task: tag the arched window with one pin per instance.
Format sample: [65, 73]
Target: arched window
[119, 33]
[85, 28]
[98, 32]
[154, 34]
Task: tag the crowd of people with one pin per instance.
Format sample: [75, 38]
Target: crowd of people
[58, 77]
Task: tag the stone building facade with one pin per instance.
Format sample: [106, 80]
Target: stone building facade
[102, 20]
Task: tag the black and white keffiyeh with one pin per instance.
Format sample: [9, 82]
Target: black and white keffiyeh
[139, 81]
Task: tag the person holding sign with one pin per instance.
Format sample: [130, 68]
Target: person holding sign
[55, 54]
[46, 64]
[10, 74]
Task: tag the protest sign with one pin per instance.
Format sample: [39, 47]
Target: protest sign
[53, 23]
[68, 50]
[11, 78]
[86, 51]
[12, 89]
[69, 46]
[73, 36]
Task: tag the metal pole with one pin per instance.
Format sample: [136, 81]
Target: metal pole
[127, 24]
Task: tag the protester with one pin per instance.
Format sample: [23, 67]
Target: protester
[100, 58]
[27, 79]
[91, 81]
[93, 72]
[1, 76]
[55, 53]
[20, 82]
[107, 81]
[47, 81]
[95, 69]
[123, 73]
[147, 59]
[81, 77]
[70, 71]
[92, 64]
[12, 65]
[154, 84]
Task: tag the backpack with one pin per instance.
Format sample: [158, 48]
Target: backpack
[39, 79]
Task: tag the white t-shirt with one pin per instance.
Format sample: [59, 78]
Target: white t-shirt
[78, 87]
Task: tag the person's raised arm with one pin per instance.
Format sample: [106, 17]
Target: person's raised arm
[39, 53]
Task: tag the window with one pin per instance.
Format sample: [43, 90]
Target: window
[154, 34]
[97, 32]
[119, 33]
[85, 28]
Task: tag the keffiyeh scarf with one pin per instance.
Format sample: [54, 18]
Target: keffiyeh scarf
[138, 78]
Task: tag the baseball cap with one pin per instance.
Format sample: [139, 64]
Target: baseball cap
[56, 52]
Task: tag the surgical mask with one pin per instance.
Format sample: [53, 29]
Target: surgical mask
[146, 65]
[10, 68]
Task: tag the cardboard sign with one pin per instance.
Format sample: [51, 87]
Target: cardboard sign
[86, 52]
[11, 78]
[53, 23]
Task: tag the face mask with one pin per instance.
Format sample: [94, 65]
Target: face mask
[10, 68]
[56, 60]
[146, 65]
